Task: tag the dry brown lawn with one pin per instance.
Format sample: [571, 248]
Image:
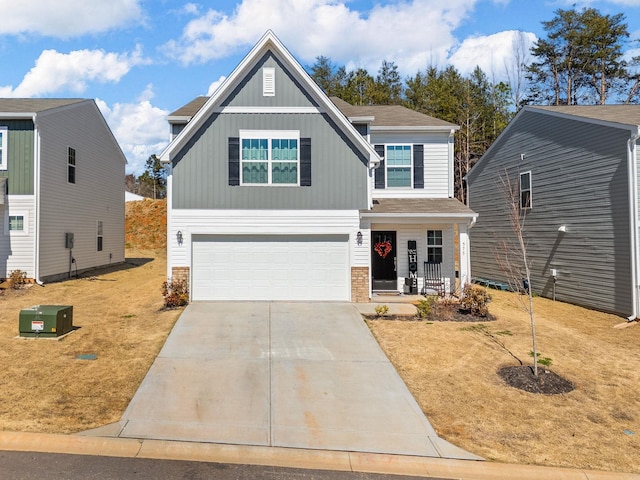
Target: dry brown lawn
[44, 386]
[451, 370]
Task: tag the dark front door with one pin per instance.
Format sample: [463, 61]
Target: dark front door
[383, 261]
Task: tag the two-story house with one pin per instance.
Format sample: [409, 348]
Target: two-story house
[277, 192]
[61, 188]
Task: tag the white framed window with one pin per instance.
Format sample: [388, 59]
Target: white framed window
[399, 166]
[268, 82]
[269, 157]
[99, 236]
[525, 191]
[16, 223]
[434, 246]
[71, 165]
[4, 155]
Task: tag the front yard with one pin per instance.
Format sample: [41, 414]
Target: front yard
[450, 367]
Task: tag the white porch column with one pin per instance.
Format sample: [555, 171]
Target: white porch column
[464, 259]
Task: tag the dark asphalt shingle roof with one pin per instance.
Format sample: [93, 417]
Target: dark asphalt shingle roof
[191, 108]
[446, 206]
[623, 114]
[390, 115]
[34, 105]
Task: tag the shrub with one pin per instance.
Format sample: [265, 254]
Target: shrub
[17, 279]
[425, 306]
[175, 293]
[381, 310]
[475, 300]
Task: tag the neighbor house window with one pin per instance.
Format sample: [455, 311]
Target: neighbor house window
[525, 190]
[268, 82]
[99, 236]
[16, 223]
[71, 165]
[398, 164]
[3, 147]
[269, 158]
[434, 246]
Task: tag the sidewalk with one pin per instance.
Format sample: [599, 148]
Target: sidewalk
[294, 458]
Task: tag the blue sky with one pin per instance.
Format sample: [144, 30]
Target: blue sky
[142, 59]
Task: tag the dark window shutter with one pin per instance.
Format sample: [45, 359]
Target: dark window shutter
[234, 161]
[418, 166]
[380, 174]
[305, 162]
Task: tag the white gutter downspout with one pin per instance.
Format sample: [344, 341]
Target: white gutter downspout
[36, 174]
[632, 171]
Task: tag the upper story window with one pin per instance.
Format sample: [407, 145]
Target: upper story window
[269, 158]
[525, 190]
[268, 82]
[4, 132]
[71, 165]
[398, 166]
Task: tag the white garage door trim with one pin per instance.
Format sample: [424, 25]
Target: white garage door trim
[270, 267]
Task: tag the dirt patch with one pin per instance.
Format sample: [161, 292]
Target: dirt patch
[523, 378]
[146, 224]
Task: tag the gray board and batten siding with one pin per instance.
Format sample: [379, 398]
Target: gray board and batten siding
[579, 180]
[20, 159]
[339, 177]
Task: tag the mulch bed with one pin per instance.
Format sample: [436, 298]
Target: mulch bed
[547, 383]
[447, 312]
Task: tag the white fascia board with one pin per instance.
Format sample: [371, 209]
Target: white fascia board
[250, 109]
[397, 129]
[363, 119]
[268, 40]
[178, 119]
[421, 217]
[12, 115]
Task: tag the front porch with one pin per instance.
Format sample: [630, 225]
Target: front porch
[403, 234]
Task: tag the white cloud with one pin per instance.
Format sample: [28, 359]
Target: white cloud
[68, 18]
[140, 128]
[214, 86]
[414, 34]
[492, 53]
[55, 71]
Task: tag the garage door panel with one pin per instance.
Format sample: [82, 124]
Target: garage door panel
[270, 267]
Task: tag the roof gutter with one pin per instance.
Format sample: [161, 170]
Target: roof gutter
[632, 172]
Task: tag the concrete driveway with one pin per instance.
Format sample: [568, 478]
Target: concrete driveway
[303, 375]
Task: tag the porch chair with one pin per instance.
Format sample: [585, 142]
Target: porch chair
[433, 278]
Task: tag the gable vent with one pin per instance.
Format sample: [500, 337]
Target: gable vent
[268, 82]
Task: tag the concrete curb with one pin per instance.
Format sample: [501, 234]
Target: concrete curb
[293, 458]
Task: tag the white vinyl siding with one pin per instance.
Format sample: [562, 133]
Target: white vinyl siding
[17, 247]
[97, 194]
[437, 173]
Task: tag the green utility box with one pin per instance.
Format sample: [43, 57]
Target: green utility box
[46, 321]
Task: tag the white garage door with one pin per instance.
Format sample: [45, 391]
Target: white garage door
[270, 267]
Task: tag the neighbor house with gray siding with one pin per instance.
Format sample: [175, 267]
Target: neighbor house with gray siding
[574, 169]
[277, 192]
[61, 188]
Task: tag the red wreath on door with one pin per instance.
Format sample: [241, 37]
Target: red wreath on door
[383, 248]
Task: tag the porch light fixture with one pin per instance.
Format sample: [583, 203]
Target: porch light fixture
[179, 237]
[563, 228]
[359, 238]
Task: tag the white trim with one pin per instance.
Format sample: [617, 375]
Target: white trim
[4, 156]
[258, 109]
[413, 129]
[8, 212]
[269, 136]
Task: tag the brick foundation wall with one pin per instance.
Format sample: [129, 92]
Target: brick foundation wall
[180, 273]
[360, 284]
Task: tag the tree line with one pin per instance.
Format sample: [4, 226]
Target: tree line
[581, 61]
